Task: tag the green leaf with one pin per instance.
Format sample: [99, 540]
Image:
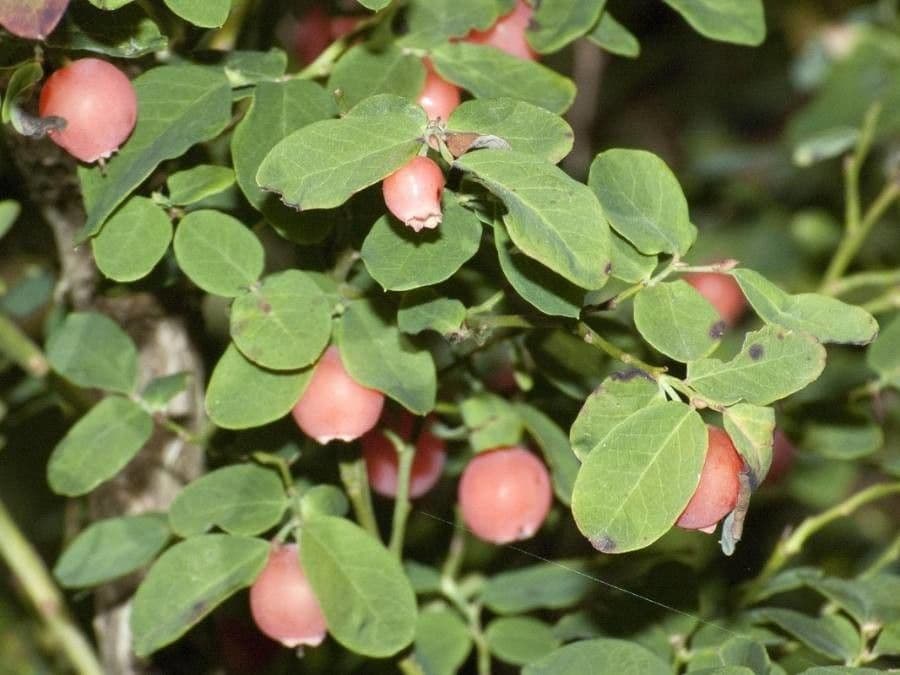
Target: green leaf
[643, 201]
[323, 500]
[111, 548]
[679, 322]
[825, 318]
[241, 499]
[442, 642]
[549, 585]
[161, 390]
[323, 164]
[843, 441]
[555, 446]
[91, 350]
[20, 84]
[98, 446]
[538, 285]
[628, 263]
[550, 217]
[889, 640]
[830, 634]
[614, 37]
[772, 364]
[526, 127]
[133, 241]
[750, 427]
[218, 253]
[599, 657]
[423, 309]
[363, 72]
[375, 5]
[242, 395]
[520, 640]
[377, 355]
[31, 19]
[634, 485]
[368, 604]
[474, 67]
[432, 22]
[277, 110]
[178, 106]
[400, 259]
[283, 323]
[9, 213]
[203, 13]
[556, 24]
[883, 355]
[851, 595]
[189, 581]
[493, 422]
[128, 33]
[825, 145]
[197, 183]
[614, 401]
[738, 21]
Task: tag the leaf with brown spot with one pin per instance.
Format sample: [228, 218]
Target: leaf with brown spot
[31, 19]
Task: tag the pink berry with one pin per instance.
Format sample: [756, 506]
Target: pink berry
[717, 492]
[382, 463]
[439, 98]
[334, 405]
[282, 602]
[782, 457]
[342, 25]
[505, 495]
[722, 292]
[312, 34]
[413, 193]
[508, 33]
[98, 103]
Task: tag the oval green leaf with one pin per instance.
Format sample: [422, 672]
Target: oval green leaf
[197, 183]
[550, 585]
[365, 71]
[442, 642]
[599, 657]
[133, 241]
[520, 640]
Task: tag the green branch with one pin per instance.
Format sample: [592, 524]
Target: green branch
[594, 338]
[405, 454]
[356, 484]
[20, 348]
[37, 585]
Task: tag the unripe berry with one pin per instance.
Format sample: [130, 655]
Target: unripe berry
[334, 405]
[382, 461]
[717, 492]
[413, 193]
[505, 495]
[722, 292]
[98, 103]
[439, 98]
[508, 33]
[282, 602]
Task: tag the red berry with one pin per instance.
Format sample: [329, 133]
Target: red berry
[508, 33]
[282, 602]
[782, 457]
[413, 193]
[312, 34]
[717, 492]
[505, 495]
[722, 292]
[439, 98]
[334, 405]
[98, 103]
[341, 25]
[382, 464]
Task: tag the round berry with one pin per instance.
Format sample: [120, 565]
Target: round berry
[312, 34]
[334, 405]
[722, 292]
[382, 461]
[413, 193]
[717, 492]
[508, 33]
[439, 98]
[98, 103]
[282, 602]
[505, 495]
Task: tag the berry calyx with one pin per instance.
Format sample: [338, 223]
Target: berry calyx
[382, 460]
[334, 405]
[413, 193]
[717, 492]
[282, 602]
[505, 495]
[439, 98]
[98, 103]
[508, 33]
[722, 292]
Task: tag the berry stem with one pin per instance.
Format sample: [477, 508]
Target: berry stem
[853, 282]
[356, 484]
[790, 546]
[38, 586]
[592, 337]
[20, 349]
[405, 456]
